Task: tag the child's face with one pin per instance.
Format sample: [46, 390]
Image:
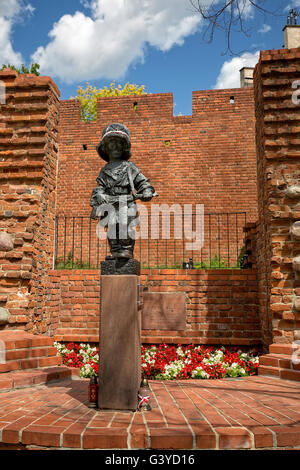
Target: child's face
[114, 148]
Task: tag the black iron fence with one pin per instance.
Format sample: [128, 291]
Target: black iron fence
[168, 245]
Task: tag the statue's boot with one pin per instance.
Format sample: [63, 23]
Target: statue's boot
[123, 254]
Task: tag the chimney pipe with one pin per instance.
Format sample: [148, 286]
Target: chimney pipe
[246, 76]
[291, 31]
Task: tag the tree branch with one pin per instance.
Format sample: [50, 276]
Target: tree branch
[229, 16]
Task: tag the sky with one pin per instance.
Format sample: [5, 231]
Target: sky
[155, 43]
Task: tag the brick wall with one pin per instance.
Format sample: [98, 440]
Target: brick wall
[28, 160]
[278, 176]
[206, 158]
[72, 302]
[221, 305]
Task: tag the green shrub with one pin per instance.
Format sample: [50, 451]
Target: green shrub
[88, 97]
[69, 264]
[34, 68]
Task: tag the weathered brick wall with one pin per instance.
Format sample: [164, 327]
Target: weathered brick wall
[221, 305]
[278, 176]
[72, 301]
[28, 161]
[206, 158]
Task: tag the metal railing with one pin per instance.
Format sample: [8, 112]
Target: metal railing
[77, 245]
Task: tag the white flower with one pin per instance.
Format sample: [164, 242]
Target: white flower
[204, 375]
[199, 373]
[86, 371]
[179, 352]
[244, 356]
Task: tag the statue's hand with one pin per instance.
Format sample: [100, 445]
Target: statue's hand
[146, 196]
[94, 215]
[101, 198]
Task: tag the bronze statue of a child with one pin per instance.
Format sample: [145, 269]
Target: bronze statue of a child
[120, 183]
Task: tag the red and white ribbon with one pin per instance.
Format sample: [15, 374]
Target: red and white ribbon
[143, 400]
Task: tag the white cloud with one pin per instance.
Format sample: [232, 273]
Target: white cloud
[294, 4]
[229, 76]
[7, 54]
[114, 36]
[246, 9]
[265, 29]
[11, 11]
[85, 3]
[9, 8]
[29, 8]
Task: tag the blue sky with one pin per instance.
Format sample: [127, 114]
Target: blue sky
[156, 43]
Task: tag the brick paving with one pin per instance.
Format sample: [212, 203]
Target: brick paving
[246, 413]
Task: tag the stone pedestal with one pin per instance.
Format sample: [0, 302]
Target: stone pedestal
[120, 343]
[120, 266]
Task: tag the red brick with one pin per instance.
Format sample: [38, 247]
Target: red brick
[10, 433]
[5, 383]
[179, 437]
[15, 365]
[17, 354]
[205, 437]
[42, 436]
[287, 435]
[29, 363]
[100, 439]
[234, 438]
[264, 370]
[50, 361]
[72, 437]
[290, 374]
[21, 379]
[263, 437]
[41, 341]
[38, 352]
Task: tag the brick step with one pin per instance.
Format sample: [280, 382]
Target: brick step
[21, 350]
[57, 417]
[282, 373]
[282, 348]
[31, 378]
[65, 336]
[283, 361]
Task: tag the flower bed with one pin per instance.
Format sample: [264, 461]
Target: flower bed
[196, 362]
[165, 362]
[81, 356]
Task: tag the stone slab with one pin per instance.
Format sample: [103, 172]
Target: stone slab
[120, 343]
[163, 311]
[6, 243]
[120, 266]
